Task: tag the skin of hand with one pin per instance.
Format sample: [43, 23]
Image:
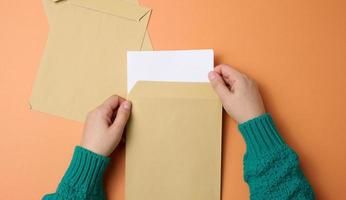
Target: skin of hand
[105, 125]
[239, 94]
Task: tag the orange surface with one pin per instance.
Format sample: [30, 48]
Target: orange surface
[295, 49]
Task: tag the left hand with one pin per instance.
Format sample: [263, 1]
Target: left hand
[105, 125]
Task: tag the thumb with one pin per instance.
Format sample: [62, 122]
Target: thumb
[121, 117]
[219, 86]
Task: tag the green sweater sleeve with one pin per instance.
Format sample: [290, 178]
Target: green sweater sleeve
[83, 178]
[271, 168]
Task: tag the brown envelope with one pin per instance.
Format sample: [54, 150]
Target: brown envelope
[173, 142]
[85, 56]
[52, 8]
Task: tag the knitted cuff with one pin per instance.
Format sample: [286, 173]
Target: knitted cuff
[260, 135]
[86, 169]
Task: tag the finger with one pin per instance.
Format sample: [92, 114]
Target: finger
[109, 105]
[228, 73]
[219, 86]
[122, 116]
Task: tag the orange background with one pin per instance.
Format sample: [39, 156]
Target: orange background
[295, 49]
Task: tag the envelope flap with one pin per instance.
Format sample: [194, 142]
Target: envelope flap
[117, 8]
[173, 90]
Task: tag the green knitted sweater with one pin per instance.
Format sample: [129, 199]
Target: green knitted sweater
[271, 168]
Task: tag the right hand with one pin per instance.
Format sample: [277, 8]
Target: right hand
[239, 94]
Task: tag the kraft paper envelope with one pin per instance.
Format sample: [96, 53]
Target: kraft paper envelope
[173, 142]
[52, 9]
[85, 55]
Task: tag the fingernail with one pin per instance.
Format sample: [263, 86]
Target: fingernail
[127, 105]
[211, 75]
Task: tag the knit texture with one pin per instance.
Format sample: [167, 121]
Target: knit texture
[271, 168]
[83, 178]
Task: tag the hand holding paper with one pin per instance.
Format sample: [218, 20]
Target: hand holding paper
[239, 94]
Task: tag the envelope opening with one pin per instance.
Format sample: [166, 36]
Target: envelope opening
[159, 89]
[117, 8]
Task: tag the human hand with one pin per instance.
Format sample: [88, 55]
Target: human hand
[238, 93]
[104, 125]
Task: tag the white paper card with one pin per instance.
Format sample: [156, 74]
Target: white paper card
[172, 66]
